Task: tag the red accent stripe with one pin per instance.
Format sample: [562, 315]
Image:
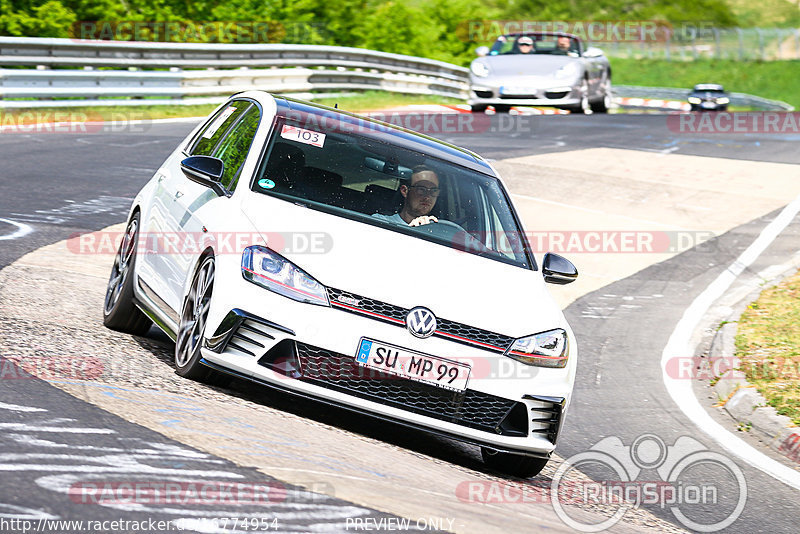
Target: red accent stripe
[398, 321]
[284, 285]
[538, 355]
[469, 340]
[359, 310]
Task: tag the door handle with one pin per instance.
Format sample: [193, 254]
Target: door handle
[178, 195]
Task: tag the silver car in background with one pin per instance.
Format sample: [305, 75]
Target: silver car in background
[540, 69]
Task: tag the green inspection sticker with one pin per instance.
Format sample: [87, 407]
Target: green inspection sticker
[266, 183]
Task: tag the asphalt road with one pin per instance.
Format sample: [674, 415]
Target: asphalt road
[57, 185]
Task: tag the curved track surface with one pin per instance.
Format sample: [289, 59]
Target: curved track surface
[571, 174]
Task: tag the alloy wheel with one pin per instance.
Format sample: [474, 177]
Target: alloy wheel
[194, 315]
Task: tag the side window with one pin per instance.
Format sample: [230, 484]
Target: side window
[233, 149]
[204, 145]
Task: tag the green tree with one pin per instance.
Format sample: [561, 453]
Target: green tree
[49, 19]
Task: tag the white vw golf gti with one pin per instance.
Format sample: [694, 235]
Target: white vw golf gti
[352, 262]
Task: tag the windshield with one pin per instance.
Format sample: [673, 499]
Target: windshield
[381, 184]
[552, 44]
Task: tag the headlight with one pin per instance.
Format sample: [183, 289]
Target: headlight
[479, 69]
[272, 271]
[547, 349]
[723, 100]
[570, 70]
[694, 100]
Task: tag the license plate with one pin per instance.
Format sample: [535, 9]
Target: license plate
[708, 104]
[413, 365]
[517, 91]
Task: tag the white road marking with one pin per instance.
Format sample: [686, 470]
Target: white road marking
[72, 210]
[18, 408]
[12, 511]
[22, 427]
[679, 345]
[22, 230]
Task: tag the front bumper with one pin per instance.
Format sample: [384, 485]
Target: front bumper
[552, 96]
[709, 106]
[310, 351]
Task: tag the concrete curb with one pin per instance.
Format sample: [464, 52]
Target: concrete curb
[739, 398]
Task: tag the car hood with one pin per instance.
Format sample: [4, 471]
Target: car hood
[521, 65]
[406, 271]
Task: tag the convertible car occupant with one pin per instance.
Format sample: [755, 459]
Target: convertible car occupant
[525, 45]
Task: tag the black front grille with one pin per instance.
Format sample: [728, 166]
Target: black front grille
[527, 95]
[556, 95]
[470, 408]
[375, 308]
[390, 313]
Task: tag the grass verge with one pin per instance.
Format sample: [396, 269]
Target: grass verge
[370, 100]
[777, 80]
[768, 344]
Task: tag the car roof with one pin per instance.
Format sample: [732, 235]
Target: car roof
[381, 131]
[708, 87]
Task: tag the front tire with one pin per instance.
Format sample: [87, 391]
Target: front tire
[119, 311]
[584, 107]
[193, 323]
[513, 464]
[604, 104]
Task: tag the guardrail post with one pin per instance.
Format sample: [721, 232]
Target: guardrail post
[741, 43]
[761, 44]
[717, 45]
[796, 44]
[667, 42]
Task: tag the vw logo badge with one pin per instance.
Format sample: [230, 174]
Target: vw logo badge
[421, 322]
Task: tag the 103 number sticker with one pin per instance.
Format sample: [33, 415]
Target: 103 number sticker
[308, 137]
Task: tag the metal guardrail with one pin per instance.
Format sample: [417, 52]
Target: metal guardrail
[190, 70]
[668, 93]
[26, 51]
[96, 85]
[195, 73]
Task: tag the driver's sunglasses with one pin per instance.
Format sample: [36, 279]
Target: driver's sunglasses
[525, 44]
[425, 191]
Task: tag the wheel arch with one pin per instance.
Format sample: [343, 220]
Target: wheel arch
[207, 252]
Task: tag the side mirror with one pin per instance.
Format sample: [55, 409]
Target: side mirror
[558, 270]
[206, 171]
[593, 52]
[481, 51]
